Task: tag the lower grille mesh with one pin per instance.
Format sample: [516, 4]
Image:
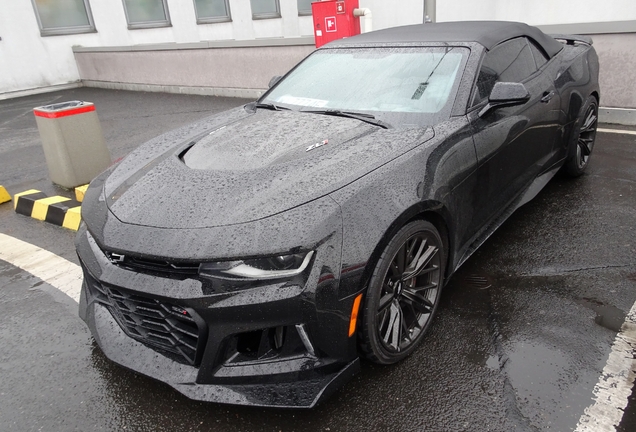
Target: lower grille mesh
[153, 322]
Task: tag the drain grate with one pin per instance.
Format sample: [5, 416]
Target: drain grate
[478, 281]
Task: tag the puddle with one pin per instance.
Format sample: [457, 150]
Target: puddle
[607, 316]
[484, 360]
[493, 363]
[536, 370]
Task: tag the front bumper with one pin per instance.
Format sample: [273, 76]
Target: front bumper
[277, 345]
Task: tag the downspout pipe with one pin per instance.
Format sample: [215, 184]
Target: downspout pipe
[430, 11]
[368, 18]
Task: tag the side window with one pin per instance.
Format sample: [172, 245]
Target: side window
[539, 57]
[511, 61]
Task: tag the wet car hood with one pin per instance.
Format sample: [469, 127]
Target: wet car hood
[246, 167]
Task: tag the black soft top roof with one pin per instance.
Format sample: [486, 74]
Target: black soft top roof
[487, 33]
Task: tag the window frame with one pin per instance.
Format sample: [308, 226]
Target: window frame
[305, 12]
[213, 20]
[148, 24]
[60, 31]
[472, 104]
[267, 15]
[538, 51]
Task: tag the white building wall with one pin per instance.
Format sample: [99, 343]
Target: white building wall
[31, 61]
[537, 12]
[26, 59]
[392, 13]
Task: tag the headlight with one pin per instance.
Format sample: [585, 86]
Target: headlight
[275, 267]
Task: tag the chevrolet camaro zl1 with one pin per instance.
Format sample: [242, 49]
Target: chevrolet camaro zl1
[255, 256]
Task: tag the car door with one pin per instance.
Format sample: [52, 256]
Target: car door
[513, 144]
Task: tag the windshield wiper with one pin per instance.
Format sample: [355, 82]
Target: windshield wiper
[270, 106]
[253, 106]
[367, 118]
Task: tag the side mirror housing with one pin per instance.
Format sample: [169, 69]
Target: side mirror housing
[505, 94]
[274, 80]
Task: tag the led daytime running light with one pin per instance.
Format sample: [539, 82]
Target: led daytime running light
[246, 271]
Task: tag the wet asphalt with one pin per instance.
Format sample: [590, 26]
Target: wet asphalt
[520, 339]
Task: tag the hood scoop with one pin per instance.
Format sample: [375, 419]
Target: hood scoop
[270, 138]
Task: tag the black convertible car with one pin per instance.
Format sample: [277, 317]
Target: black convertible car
[255, 256]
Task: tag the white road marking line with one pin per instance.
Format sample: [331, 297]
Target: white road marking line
[616, 131]
[615, 383]
[52, 269]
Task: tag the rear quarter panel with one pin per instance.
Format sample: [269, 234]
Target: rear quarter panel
[576, 78]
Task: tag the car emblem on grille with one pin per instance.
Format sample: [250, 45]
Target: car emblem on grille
[179, 310]
[320, 144]
[116, 258]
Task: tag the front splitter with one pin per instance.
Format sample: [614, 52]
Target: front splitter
[133, 355]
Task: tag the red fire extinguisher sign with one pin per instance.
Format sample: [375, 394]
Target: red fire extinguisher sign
[330, 24]
[334, 20]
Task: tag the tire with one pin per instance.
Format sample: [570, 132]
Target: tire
[582, 139]
[403, 293]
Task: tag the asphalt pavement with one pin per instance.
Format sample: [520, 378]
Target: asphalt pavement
[522, 335]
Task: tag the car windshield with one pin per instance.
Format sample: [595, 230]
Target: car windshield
[404, 85]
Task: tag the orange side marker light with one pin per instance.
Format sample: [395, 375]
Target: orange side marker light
[354, 315]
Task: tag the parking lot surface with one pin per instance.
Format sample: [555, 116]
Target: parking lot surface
[522, 336]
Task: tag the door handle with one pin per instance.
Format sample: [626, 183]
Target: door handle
[547, 96]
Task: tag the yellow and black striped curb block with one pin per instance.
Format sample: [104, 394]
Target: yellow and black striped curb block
[58, 210]
[79, 193]
[4, 195]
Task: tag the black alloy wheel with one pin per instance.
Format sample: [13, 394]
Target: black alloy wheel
[583, 137]
[403, 293]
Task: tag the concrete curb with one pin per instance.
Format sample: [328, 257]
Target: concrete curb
[39, 90]
[58, 210]
[620, 116]
[243, 93]
[4, 195]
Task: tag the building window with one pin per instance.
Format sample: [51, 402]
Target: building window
[211, 11]
[60, 17]
[304, 7]
[264, 9]
[142, 14]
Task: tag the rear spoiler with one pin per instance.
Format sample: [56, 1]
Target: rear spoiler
[572, 39]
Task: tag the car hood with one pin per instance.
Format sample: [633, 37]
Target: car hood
[243, 167]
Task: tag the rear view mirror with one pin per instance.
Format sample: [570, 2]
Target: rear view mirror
[506, 94]
[274, 80]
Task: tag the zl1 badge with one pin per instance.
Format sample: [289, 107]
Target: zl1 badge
[319, 144]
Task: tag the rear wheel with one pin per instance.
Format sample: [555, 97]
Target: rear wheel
[403, 293]
[583, 137]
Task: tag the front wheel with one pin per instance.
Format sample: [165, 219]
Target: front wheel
[583, 137]
[403, 293]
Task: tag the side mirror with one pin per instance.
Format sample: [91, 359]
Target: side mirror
[506, 94]
[274, 80]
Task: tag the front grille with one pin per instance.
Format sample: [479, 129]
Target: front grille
[161, 325]
[144, 265]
